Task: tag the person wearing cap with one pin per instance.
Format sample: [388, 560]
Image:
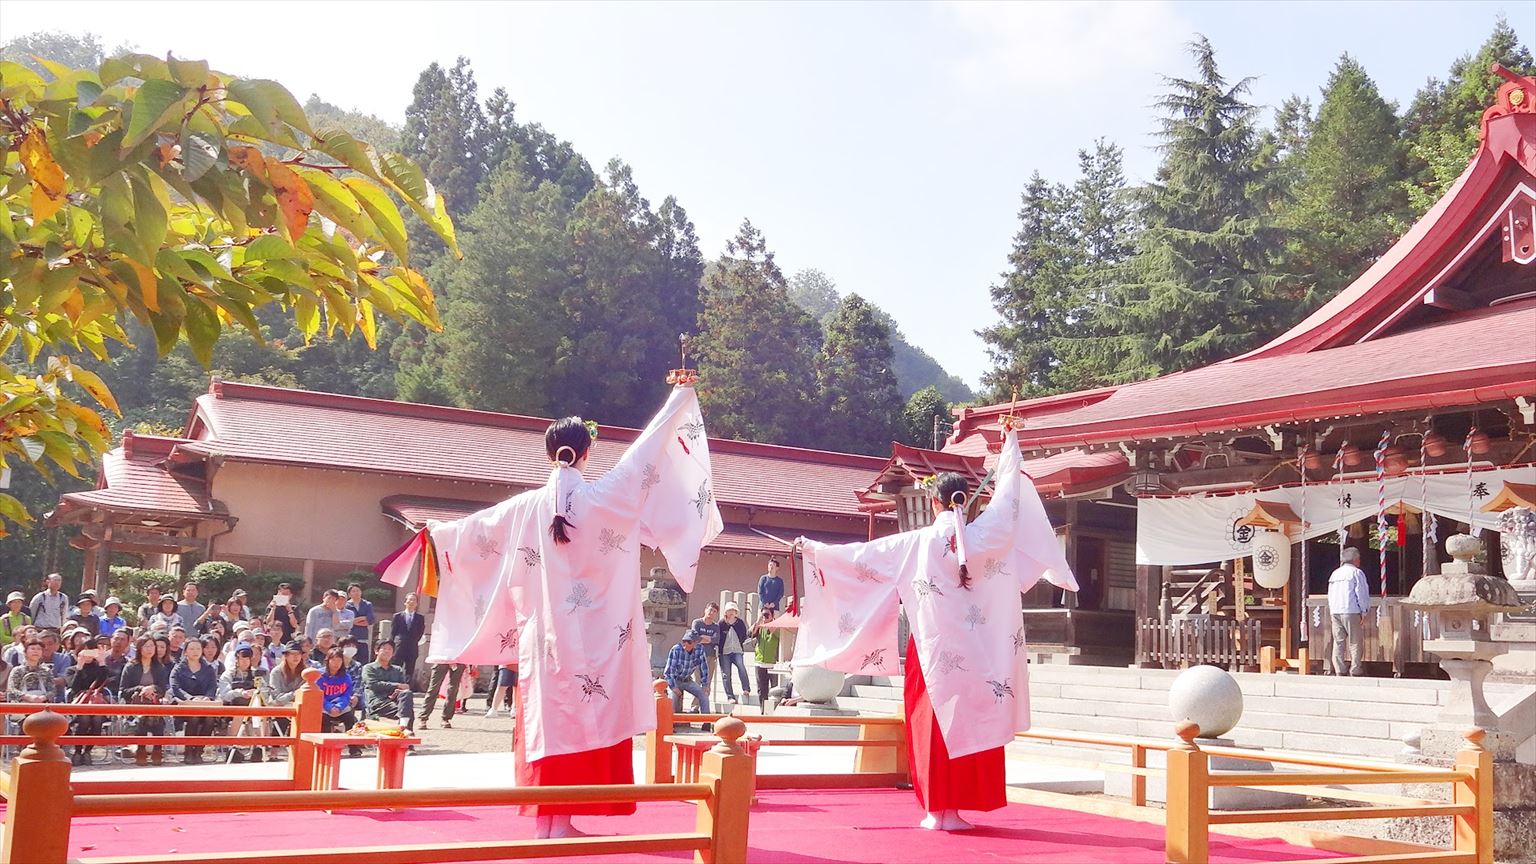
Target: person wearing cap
[237, 686]
[166, 617]
[766, 652]
[733, 652]
[686, 658]
[285, 680]
[50, 606]
[112, 617]
[84, 616]
[14, 619]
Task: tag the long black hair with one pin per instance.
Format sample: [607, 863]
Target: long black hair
[566, 441]
[951, 490]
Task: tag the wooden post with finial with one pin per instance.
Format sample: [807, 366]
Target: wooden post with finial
[1187, 837]
[39, 801]
[308, 711]
[1474, 831]
[658, 753]
[724, 815]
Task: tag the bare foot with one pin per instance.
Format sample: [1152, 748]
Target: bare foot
[931, 822]
[951, 821]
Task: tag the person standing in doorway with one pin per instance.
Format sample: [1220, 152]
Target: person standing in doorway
[1348, 599]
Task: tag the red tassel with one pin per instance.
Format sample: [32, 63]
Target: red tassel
[793, 606]
[1402, 530]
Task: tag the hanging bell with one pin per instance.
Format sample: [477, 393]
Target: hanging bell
[1477, 443]
[1433, 444]
[1352, 455]
[1394, 462]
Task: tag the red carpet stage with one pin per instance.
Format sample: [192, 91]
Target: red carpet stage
[795, 827]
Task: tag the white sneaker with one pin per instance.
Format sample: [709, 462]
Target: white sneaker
[490, 712]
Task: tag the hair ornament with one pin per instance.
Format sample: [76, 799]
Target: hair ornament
[957, 498]
[566, 449]
[591, 428]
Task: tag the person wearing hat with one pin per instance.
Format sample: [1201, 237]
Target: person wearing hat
[112, 617]
[14, 619]
[237, 686]
[286, 679]
[686, 658]
[733, 652]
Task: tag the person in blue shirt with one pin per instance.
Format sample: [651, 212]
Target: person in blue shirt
[770, 586]
[112, 618]
[338, 696]
[1349, 598]
[686, 658]
[362, 611]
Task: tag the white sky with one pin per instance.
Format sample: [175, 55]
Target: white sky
[885, 144]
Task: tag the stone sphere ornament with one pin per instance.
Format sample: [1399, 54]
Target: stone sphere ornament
[1207, 696]
[815, 684]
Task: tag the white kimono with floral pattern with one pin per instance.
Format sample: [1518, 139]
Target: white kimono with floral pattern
[570, 614]
[970, 642]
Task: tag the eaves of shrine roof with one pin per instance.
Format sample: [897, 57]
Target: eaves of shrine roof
[282, 426]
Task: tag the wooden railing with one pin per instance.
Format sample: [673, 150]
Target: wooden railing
[1181, 643]
[881, 759]
[304, 716]
[1189, 782]
[42, 803]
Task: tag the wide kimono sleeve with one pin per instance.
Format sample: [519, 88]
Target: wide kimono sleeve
[664, 480]
[848, 619]
[1014, 535]
[489, 582]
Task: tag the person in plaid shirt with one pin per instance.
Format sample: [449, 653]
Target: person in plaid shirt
[685, 658]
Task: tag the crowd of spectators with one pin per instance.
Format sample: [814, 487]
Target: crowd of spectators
[178, 650]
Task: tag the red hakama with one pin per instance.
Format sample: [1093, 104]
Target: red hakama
[601, 767]
[974, 782]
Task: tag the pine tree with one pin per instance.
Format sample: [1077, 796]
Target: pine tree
[1201, 286]
[444, 133]
[1443, 123]
[1104, 231]
[503, 320]
[919, 415]
[1034, 299]
[680, 269]
[756, 349]
[854, 373]
[1349, 198]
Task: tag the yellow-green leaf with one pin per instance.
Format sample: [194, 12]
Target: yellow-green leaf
[385, 215]
[154, 105]
[93, 385]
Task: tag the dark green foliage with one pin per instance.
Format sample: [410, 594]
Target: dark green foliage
[756, 349]
[1442, 123]
[816, 293]
[1349, 193]
[859, 396]
[217, 580]
[1203, 284]
[129, 585]
[1035, 299]
[919, 415]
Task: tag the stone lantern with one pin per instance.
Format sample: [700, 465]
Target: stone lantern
[1463, 596]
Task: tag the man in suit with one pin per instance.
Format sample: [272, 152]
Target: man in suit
[406, 630]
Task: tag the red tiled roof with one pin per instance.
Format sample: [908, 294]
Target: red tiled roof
[281, 426]
[1070, 471]
[1482, 356]
[133, 480]
[416, 511]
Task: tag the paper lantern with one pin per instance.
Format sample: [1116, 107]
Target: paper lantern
[1271, 552]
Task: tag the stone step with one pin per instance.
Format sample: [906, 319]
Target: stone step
[875, 691]
[869, 706]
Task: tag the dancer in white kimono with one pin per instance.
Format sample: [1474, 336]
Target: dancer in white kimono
[967, 679]
[551, 578]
